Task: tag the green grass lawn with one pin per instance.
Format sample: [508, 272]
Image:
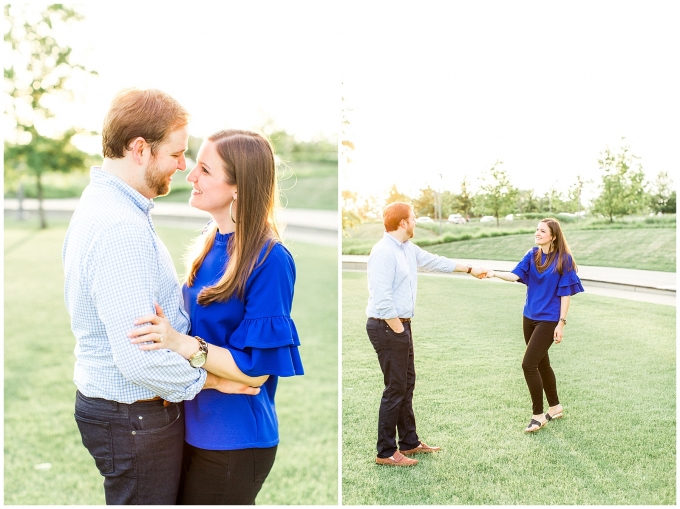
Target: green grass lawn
[40, 394]
[616, 378]
[650, 248]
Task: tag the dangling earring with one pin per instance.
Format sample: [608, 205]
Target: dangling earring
[230, 214]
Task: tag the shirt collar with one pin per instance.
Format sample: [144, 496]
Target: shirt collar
[396, 242]
[99, 177]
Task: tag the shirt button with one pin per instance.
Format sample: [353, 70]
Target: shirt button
[134, 432]
[141, 417]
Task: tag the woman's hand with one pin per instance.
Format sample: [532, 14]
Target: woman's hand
[160, 334]
[559, 333]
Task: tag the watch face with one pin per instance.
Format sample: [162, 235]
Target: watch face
[198, 360]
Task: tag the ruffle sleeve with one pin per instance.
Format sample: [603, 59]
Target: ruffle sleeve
[523, 267]
[569, 284]
[267, 346]
[266, 341]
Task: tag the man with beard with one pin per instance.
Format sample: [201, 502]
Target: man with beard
[129, 402]
[392, 282]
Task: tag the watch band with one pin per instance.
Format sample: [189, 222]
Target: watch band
[469, 269]
[198, 359]
[563, 320]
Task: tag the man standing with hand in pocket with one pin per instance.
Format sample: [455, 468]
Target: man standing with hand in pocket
[392, 282]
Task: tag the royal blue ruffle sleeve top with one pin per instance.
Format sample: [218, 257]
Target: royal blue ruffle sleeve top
[261, 336]
[544, 289]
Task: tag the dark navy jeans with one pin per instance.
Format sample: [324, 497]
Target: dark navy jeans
[224, 477]
[395, 355]
[136, 447]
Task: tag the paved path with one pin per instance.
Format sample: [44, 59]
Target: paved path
[314, 226]
[632, 284]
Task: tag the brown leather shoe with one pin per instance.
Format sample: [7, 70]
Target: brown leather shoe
[396, 460]
[421, 449]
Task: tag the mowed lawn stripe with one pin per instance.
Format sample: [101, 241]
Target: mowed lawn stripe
[616, 378]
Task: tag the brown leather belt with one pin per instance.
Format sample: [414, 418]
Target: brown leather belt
[155, 398]
[402, 320]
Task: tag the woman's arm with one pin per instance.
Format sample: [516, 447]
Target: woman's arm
[564, 309]
[505, 276]
[160, 333]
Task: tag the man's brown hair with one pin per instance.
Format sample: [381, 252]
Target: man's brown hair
[394, 213]
[150, 114]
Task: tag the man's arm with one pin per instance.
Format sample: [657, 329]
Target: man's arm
[121, 271]
[435, 263]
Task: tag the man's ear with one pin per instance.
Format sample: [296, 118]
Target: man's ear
[137, 148]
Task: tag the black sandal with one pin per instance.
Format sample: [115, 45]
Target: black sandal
[534, 422]
[549, 417]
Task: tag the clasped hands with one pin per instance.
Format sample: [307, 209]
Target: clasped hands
[481, 273]
[158, 333]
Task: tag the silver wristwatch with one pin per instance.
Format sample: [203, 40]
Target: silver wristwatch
[198, 359]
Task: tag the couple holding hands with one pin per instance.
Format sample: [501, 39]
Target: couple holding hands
[549, 272]
[176, 383]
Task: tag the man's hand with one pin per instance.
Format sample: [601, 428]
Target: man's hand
[229, 386]
[480, 272]
[395, 324]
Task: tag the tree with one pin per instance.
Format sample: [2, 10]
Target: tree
[38, 67]
[622, 187]
[497, 195]
[396, 195]
[663, 200]
[449, 203]
[575, 195]
[350, 215]
[464, 200]
[526, 201]
[424, 204]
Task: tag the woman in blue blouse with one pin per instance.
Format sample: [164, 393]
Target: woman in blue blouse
[239, 292]
[549, 272]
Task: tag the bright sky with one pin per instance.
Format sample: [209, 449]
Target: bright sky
[450, 87]
[231, 64]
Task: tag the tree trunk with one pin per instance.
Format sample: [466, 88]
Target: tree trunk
[41, 212]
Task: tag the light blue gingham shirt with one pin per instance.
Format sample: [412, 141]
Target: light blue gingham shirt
[393, 276]
[115, 268]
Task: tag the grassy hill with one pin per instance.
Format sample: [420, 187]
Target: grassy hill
[638, 243]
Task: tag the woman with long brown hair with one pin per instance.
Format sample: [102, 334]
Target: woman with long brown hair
[549, 272]
[239, 293]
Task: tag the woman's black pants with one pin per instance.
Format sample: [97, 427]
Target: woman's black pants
[538, 336]
[223, 477]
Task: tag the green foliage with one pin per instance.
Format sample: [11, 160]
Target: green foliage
[622, 187]
[663, 200]
[616, 444]
[424, 205]
[39, 67]
[497, 195]
[396, 195]
[351, 215]
[289, 148]
[463, 201]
